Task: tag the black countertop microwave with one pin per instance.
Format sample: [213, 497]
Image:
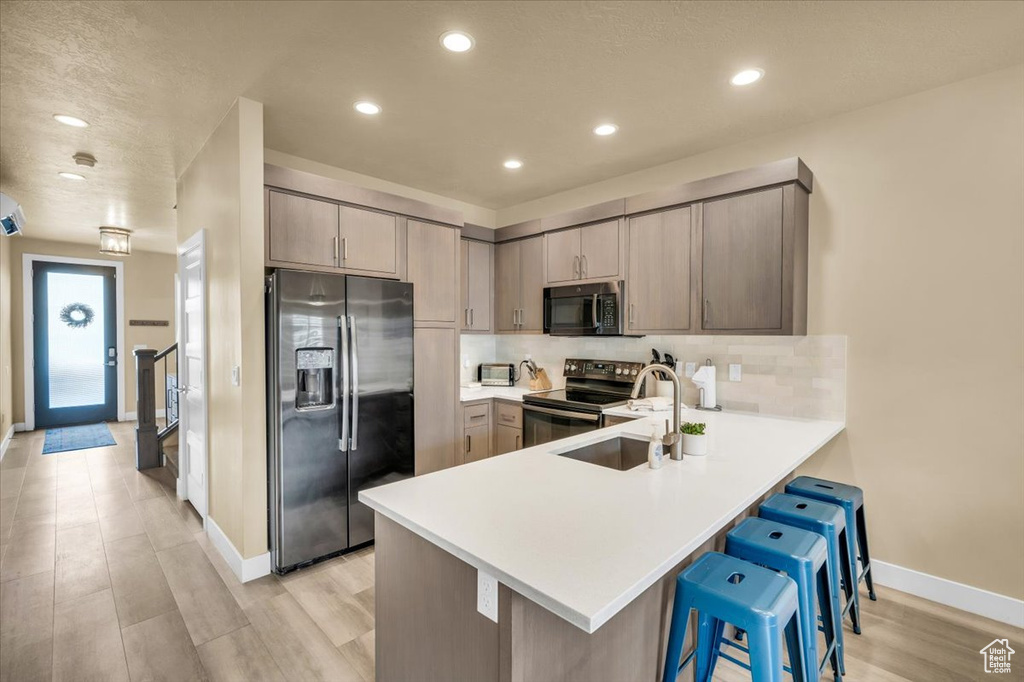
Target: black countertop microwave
[584, 309]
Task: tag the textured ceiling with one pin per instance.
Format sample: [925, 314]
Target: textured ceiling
[154, 78]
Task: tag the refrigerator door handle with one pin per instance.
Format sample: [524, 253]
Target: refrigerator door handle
[343, 383]
[355, 383]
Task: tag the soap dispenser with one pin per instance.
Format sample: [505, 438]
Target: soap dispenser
[655, 450]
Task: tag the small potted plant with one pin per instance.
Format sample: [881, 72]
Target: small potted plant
[695, 440]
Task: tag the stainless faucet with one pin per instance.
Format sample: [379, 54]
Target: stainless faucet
[673, 440]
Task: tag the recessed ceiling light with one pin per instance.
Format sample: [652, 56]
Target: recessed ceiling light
[71, 176]
[747, 76]
[457, 41]
[513, 164]
[368, 108]
[606, 129]
[70, 121]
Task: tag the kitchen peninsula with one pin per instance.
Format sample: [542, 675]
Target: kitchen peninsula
[585, 556]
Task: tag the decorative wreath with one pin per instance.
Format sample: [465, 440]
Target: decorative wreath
[77, 315]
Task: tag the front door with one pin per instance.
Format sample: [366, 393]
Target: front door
[75, 342]
[191, 374]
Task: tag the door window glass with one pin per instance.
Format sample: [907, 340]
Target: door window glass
[75, 318]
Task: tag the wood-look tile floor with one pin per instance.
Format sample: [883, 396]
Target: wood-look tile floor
[106, 575]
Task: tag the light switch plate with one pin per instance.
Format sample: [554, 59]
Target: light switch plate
[487, 595]
[691, 369]
[735, 372]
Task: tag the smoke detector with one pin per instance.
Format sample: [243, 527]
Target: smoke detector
[83, 159]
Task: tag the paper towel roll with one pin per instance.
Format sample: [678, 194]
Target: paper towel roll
[704, 378]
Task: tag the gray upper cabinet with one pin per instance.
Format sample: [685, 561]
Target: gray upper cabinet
[302, 231]
[744, 274]
[368, 240]
[477, 261]
[432, 261]
[659, 286]
[519, 286]
[583, 253]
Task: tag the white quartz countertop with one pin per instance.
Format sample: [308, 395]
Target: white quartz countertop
[583, 540]
[467, 394]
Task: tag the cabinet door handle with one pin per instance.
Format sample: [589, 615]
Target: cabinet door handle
[517, 441]
[335, 250]
[515, 317]
[631, 307]
[344, 248]
[584, 272]
[576, 267]
[469, 442]
[707, 308]
[470, 317]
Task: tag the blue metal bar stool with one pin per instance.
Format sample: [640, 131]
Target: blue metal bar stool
[829, 521]
[803, 556]
[725, 589]
[851, 499]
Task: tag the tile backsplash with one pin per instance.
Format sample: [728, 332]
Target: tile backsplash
[796, 376]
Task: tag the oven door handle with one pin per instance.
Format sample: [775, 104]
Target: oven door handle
[582, 416]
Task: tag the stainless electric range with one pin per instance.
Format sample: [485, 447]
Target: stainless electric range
[590, 387]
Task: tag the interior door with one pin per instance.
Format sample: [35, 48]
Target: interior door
[192, 377]
[75, 344]
[381, 441]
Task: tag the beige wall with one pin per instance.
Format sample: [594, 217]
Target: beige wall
[916, 238]
[148, 295]
[221, 192]
[6, 368]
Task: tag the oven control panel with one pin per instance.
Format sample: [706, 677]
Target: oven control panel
[609, 370]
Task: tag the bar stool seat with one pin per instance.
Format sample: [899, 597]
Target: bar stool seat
[851, 499]
[803, 556]
[724, 589]
[827, 520]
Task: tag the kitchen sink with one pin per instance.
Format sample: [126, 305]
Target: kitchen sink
[621, 453]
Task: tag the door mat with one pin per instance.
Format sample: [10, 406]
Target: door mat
[69, 438]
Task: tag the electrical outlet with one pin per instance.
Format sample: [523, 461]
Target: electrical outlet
[236, 376]
[691, 369]
[487, 595]
[528, 357]
[465, 361]
[735, 372]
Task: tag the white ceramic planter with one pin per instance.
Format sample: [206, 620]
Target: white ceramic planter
[697, 446]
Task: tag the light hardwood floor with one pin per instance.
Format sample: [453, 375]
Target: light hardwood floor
[106, 575]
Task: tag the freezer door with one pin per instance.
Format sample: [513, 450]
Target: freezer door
[381, 448]
[309, 470]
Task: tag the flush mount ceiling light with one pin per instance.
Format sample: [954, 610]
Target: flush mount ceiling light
[368, 108]
[513, 164]
[70, 121]
[457, 41]
[747, 77]
[115, 241]
[71, 176]
[606, 129]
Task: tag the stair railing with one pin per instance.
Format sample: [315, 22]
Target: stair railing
[148, 434]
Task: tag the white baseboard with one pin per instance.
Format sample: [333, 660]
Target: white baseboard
[20, 427]
[244, 569]
[132, 416]
[5, 443]
[964, 597]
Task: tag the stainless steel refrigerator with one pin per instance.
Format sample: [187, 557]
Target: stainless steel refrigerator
[340, 403]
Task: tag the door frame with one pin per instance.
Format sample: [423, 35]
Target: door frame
[196, 241]
[28, 324]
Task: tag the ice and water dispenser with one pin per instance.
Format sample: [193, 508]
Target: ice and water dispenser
[315, 380]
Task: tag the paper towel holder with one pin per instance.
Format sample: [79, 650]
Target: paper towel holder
[700, 396]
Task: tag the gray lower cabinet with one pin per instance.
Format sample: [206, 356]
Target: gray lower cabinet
[519, 286]
[477, 268]
[476, 436]
[754, 263]
[435, 377]
[583, 253]
[658, 284]
[432, 262]
[507, 439]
